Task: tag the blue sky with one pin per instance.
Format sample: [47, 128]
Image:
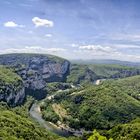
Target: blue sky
[74, 29]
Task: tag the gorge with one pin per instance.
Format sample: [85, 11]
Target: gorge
[68, 94]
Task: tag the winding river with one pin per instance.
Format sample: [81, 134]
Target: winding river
[36, 115]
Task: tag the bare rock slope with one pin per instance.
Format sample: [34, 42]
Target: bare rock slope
[36, 70]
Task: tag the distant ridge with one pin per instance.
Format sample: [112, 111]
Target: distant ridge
[105, 61]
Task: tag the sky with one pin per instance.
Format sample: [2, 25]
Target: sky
[73, 29]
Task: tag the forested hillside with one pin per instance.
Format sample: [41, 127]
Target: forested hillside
[101, 107]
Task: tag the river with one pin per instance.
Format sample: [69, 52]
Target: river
[36, 115]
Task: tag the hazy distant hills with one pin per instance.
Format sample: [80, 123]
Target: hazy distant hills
[105, 61]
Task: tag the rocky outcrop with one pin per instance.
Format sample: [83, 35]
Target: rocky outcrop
[88, 76]
[12, 88]
[126, 73]
[11, 96]
[37, 70]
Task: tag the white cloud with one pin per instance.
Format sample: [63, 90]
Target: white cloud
[42, 22]
[42, 49]
[12, 24]
[56, 50]
[97, 48]
[77, 53]
[48, 35]
[34, 49]
[104, 52]
[97, 52]
[74, 45]
[82, 54]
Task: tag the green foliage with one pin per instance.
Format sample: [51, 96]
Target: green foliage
[103, 106]
[56, 58]
[15, 124]
[55, 86]
[97, 136]
[8, 77]
[48, 113]
[130, 86]
[129, 131]
[18, 127]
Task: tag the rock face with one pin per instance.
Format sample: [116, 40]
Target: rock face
[126, 73]
[37, 70]
[11, 96]
[12, 88]
[88, 75]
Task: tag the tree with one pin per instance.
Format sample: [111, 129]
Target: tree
[97, 136]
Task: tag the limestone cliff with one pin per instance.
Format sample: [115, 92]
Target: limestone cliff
[37, 70]
[12, 88]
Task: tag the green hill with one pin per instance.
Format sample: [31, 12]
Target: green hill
[100, 107]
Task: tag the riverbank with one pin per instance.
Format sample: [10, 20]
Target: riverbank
[36, 115]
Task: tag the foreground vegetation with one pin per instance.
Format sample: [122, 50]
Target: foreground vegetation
[15, 124]
[129, 131]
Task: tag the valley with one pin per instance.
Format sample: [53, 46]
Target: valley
[70, 70]
[58, 99]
